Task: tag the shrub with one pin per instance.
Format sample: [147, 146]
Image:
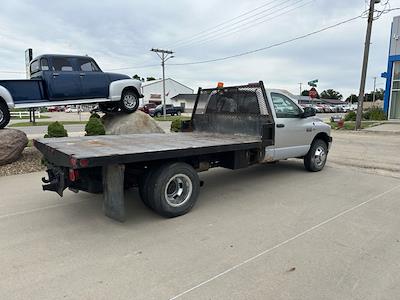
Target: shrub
[94, 115]
[56, 129]
[95, 127]
[176, 125]
[350, 116]
[375, 114]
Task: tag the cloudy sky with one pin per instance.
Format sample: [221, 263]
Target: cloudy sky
[120, 33]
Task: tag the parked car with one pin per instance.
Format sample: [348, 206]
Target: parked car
[68, 79]
[55, 108]
[170, 110]
[146, 108]
[73, 110]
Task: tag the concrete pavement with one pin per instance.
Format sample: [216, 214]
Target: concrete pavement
[266, 232]
[374, 153]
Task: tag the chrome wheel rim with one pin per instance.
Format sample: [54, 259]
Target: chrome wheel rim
[319, 156]
[1, 116]
[130, 101]
[178, 190]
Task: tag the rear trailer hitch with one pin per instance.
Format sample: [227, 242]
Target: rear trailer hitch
[56, 181]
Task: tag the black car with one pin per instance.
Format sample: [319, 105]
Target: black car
[170, 110]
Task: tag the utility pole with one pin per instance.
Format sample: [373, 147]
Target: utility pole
[373, 95]
[365, 63]
[300, 84]
[164, 55]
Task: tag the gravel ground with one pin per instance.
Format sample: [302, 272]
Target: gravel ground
[29, 162]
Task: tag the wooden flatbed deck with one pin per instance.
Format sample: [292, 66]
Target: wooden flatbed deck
[131, 148]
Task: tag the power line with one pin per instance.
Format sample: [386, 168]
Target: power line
[134, 67]
[243, 22]
[225, 22]
[241, 28]
[268, 47]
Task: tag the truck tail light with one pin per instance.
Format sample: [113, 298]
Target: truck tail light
[73, 175]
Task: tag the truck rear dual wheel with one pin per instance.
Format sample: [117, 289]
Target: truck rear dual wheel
[129, 102]
[171, 190]
[316, 157]
[4, 115]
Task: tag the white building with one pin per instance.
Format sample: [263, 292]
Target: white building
[152, 91]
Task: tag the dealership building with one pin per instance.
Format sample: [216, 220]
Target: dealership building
[392, 75]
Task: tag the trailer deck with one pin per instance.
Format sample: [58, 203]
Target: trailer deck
[131, 148]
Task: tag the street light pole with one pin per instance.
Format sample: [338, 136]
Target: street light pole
[373, 95]
[300, 84]
[365, 63]
[164, 55]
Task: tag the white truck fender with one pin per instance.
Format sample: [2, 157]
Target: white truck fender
[6, 96]
[116, 88]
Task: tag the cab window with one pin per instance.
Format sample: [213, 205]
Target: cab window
[87, 65]
[284, 106]
[62, 64]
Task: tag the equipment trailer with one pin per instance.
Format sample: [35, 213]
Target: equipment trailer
[231, 127]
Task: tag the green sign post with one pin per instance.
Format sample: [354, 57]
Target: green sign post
[313, 83]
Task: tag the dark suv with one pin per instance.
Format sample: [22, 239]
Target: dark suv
[170, 110]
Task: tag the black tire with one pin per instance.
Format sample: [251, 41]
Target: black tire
[178, 113]
[129, 102]
[173, 189]
[144, 186]
[316, 157]
[4, 114]
[158, 114]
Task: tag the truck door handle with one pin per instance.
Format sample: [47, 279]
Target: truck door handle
[82, 74]
[280, 125]
[55, 74]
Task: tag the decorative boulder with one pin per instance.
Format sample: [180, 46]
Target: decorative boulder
[12, 143]
[137, 122]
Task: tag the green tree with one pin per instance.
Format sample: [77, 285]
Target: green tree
[331, 94]
[136, 76]
[150, 79]
[94, 127]
[352, 98]
[56, 129]
[379, 94]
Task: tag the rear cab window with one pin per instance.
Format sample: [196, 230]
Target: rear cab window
[64, 64]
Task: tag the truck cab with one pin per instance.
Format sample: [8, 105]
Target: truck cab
[68, 80]
[72, 77]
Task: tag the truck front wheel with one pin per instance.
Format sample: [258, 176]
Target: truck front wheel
[129, 101]
[316, 157]
[173, 189]
[4, 115]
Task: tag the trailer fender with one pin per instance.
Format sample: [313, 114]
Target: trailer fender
[116, 88]
[6, 96]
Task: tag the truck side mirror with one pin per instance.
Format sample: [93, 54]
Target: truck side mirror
[308, 112]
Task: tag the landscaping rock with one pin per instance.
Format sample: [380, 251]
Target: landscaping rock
[12, 143]
[137, 122]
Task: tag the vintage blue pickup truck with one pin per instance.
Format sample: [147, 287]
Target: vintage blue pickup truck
[67, 80]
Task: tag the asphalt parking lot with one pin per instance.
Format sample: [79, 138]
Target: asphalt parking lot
[266, 232]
